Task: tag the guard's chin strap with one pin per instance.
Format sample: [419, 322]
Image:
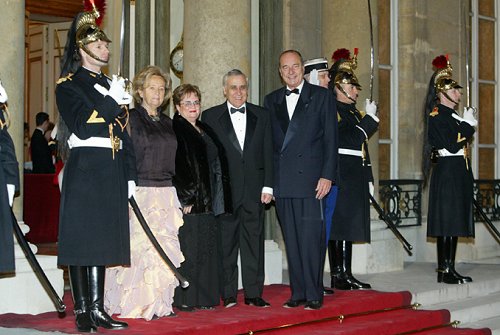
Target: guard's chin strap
[450, 99]
[341, 89]
[93, 55]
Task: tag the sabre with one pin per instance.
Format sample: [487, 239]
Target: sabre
[122, 41]
[42, 277]
[372, 52]
[184, 283]
[406, 245]
[467, 59]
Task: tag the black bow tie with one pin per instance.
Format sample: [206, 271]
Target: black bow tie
[295, 91]
[235, 110]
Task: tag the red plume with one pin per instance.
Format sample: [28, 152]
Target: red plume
[440, 62]
[100, 5]
[341, 54]
[356, 52]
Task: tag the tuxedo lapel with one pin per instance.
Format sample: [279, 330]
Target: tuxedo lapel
[298, 115]
[250, 128]
[282, 114]
[227, 125]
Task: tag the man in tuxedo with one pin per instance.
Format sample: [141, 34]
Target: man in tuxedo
[244, 130]
[304, 127]
[41, 154]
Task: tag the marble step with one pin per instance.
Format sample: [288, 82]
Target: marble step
[491, 323]
[472, 309]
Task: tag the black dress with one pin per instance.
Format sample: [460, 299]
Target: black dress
[201, 180]
[351, 218]
[451, 187]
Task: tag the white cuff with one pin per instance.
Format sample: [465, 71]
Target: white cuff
[268, 190]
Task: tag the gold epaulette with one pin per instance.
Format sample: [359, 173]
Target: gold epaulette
[434, 112]
[63, 79]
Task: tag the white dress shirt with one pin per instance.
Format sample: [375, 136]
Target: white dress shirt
[292, 99]
[239, 121]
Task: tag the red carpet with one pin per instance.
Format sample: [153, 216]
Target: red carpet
[359, 308]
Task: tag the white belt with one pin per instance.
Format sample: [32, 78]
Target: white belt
[350, 152]
[446, 153]
[98, 142]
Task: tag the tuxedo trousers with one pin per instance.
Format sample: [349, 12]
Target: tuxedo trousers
[303, 227]
[243, 231]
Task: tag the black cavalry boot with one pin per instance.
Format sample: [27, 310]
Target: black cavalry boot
[79, 283]
[98, 316]
[447, 248]
[342, 277]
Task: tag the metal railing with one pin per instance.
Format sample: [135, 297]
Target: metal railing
[401, 200]
[487, 194]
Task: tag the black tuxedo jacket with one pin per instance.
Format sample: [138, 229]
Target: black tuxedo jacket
[41, 154]
[305, 148]
[250, 169]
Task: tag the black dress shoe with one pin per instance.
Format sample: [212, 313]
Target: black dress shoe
[206, 308]
[327, 291]
[229, 302]
[257, 302]
[185, 308]
[313, 305]
[293, 303]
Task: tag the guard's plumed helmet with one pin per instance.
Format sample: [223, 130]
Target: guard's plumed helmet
[84, 30]
[342, 71]
[443, 72]
[87, 25]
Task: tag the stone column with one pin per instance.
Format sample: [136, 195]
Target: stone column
[216, 40]
[345, 24]
[162, 34]
[142, 34]
[12, 64]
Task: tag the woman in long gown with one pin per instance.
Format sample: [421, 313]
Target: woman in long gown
[146, 288]
[202, 182]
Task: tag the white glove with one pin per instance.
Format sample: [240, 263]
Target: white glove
[3, 94]
[101, 89]
[469, 116]
[11, 189]
[117, 91]
[371, 109]
[313, 77]
[457, 117]
[131, 189]
[371, 188]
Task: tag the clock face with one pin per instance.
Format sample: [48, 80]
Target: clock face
[177, 60]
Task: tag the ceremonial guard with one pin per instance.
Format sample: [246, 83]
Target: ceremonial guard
[9, 183]
[94, 221]
[447, 134]
[351, 219]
